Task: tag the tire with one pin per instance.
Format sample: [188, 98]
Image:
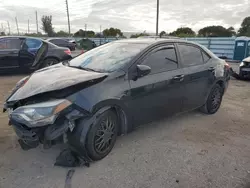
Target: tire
[71, 48]
[102, 135]
[49, 61]
[214, 100]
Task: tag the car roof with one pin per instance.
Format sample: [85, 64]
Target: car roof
[27, 37]
[23, 37]
[150, 41]
[48, 39]
[158, 41]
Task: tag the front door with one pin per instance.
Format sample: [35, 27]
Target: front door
[199, 75]
[31, 51]
[9, 50]
[159, 93]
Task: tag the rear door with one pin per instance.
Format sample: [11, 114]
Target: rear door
[161, 92]
[9, 50]
[199, 74]
[28, 52]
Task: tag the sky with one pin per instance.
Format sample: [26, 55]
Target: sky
[127, 15]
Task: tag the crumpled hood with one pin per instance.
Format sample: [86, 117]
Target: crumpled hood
[53, 78]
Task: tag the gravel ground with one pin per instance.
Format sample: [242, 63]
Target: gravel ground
[188, 150]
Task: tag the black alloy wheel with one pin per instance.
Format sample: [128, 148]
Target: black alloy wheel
[50, 61]
[213, 101]
[102, 135]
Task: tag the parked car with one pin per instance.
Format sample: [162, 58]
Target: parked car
[27, 53]
[63, 43]
[109, 90]
[71, 40]
[244, 68]
[86, 44]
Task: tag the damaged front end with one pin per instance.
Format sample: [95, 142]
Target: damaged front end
[45, 122]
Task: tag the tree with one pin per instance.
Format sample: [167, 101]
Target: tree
[47, 25]
[245, 27]
[162, 33]
[232, 30]
[62, 34]
[139, 35]
[216, 31]
[2, 33]
[183, 32]
[81, 33]
[112, 32]
[34, 34]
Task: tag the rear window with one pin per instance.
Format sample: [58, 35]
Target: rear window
[10, 43]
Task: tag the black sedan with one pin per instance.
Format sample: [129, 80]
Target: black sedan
[25, 54]
[63, 43]
[107, 91]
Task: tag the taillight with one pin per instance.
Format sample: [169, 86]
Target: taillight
[67, 51]
[227, 66]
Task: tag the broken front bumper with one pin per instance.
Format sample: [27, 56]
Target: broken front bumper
[47, 134]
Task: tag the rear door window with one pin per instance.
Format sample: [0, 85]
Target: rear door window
[190, 55]
[10, 43]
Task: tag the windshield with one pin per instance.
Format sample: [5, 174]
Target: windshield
[108, 57]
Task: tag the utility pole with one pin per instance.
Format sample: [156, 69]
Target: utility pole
[36, 23]
[100, 34]
[28, 26]
[8, 26]
[67, 8]
[17, 26]
[85, 30]
[157, 18]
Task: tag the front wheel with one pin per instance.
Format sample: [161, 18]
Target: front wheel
[102, 135]
[214, 100]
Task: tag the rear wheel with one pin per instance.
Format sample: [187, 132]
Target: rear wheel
[102, 135]
[49, 61]
[214, 99]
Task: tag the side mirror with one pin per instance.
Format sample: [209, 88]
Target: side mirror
[141, 70]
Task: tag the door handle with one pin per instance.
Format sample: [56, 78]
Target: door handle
[211, 69]
[179, 78]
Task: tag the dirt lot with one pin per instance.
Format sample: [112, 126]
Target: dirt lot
[188, 150]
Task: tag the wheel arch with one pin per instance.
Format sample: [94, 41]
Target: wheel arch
[220, 82]
[125, 123]
[52, 57]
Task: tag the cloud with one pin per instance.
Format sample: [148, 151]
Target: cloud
[129, 15]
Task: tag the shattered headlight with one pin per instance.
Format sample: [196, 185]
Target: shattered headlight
[40, 114]
[242, 64]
